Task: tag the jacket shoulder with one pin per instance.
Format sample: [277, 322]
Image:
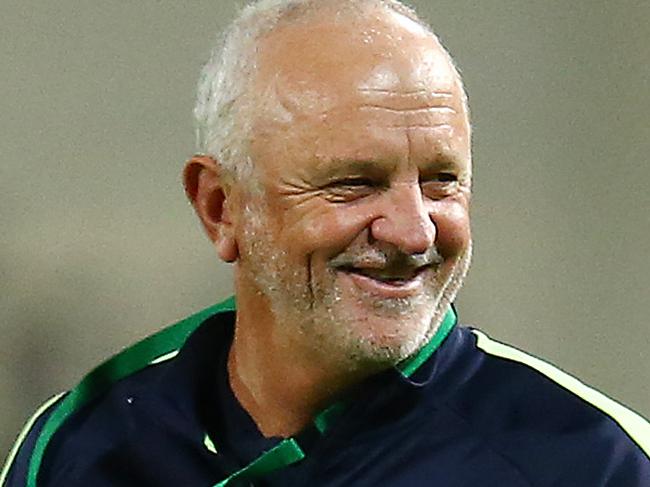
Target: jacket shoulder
[16, 467]
[549, 424]
[25, 461]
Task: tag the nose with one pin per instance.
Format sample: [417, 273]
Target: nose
[404, 220]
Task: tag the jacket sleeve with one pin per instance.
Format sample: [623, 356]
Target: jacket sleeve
[14, 473]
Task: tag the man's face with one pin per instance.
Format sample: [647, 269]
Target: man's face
[359, 236]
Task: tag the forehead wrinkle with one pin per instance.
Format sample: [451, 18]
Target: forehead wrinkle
[388, 91]
[405, 92]
[440, 126]
[443, 109]
[411, 101]
[438, 117]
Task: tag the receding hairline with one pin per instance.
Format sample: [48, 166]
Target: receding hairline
[349, 12]
[343, 10]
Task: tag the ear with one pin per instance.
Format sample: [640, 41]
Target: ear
[209, 194]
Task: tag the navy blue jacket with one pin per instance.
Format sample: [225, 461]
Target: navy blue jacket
[469, 412]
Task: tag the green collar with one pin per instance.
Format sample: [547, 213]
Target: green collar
[407, 367]
[410, 365]
[288, 451]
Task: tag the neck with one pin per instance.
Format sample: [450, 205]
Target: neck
[281, 382]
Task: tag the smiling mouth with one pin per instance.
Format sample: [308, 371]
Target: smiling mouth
[385, 283]
[387, 277]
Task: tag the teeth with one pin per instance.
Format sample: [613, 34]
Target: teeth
[390, 279]
[381, 277]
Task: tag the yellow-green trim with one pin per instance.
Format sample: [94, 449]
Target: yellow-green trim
[23, 434]
[636, 427]
[209, 444]
[164, 357]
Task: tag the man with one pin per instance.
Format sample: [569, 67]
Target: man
[335, 173]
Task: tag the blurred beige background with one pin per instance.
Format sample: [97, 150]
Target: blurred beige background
[99, 247]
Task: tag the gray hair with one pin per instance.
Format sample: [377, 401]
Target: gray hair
[221, 117]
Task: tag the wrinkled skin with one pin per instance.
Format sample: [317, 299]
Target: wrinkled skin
[354, 236]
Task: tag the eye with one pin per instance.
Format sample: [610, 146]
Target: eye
[441, 177]
[352, 182]
[348, 189]
[447, 177]
[439, 184]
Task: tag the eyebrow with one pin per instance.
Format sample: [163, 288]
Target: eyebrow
[447, 164]
[336, 168]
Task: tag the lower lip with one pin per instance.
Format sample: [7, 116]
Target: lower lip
[397, 289]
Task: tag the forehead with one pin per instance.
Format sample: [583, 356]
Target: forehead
[361, 81]
[331, 58]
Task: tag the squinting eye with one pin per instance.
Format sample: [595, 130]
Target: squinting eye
[446, 177]
[442, 177]
[348, 189]
[439, 185]
[351, 182]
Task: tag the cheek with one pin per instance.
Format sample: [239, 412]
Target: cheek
[453, 228]
[336, 229]
[326, 233]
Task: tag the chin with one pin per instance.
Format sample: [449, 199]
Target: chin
[383, 331]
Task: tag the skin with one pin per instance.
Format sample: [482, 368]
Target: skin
[355, 234]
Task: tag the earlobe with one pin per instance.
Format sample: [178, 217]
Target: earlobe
[207, 191]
